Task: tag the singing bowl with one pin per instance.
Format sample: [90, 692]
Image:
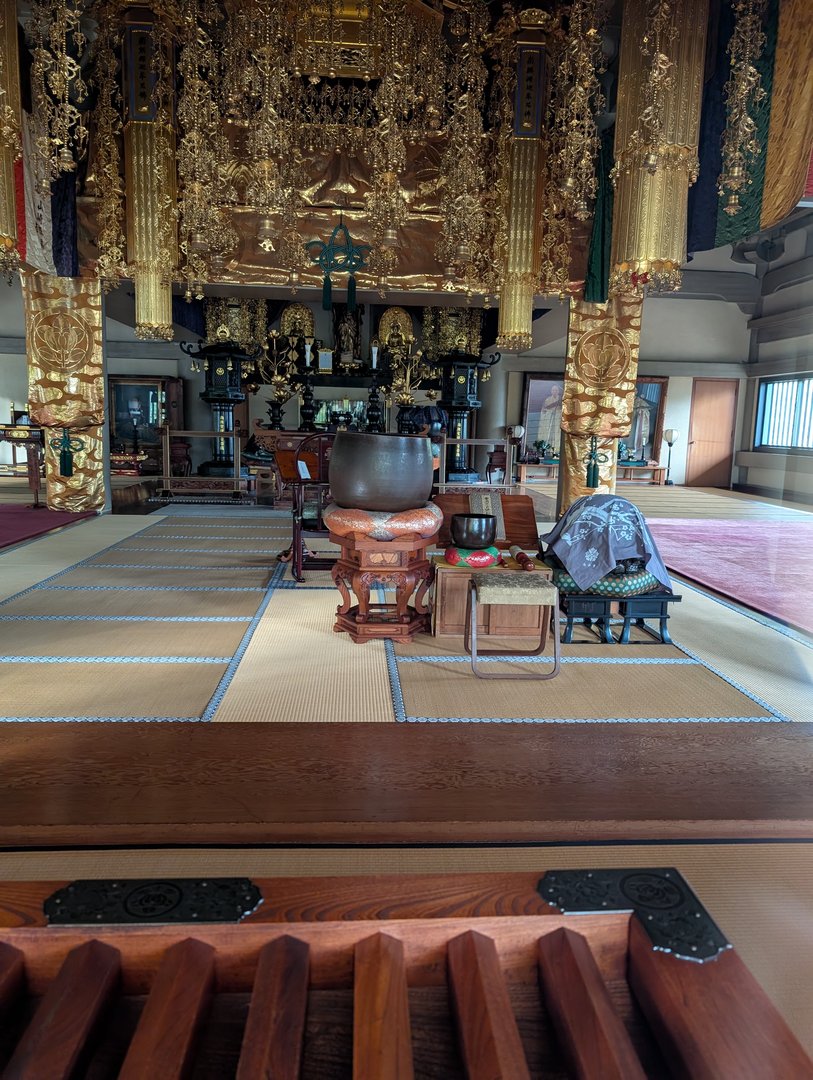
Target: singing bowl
[380, 472]
[473, 530]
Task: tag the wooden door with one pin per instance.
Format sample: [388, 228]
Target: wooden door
[711, 433]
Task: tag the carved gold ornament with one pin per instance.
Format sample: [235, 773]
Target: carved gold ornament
[61, 339]
[602, 358]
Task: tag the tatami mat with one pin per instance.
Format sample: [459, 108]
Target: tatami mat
[760, 894]
[119, 639]
[636, 691]
[120, 690]
[297, 669]
[656, 501]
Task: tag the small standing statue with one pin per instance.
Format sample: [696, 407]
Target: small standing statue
[347, 335]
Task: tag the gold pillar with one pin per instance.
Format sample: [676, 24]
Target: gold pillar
[63, 329]
[521, 259]
[602, 366]
[649, 213]
[10, 142]
[149, 148]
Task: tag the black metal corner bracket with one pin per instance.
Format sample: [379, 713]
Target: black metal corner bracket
[153, 901]
[674, 919]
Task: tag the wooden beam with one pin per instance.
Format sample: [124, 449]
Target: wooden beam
[67, 1014]
[489, 1037]
[382, 1040]
[272, 1041]
[12, 972]
[164, 1041]
[732, 1028]
[153, 784]
[590, 1031]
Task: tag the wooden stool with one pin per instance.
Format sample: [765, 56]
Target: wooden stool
[364, 564]
[512, 587]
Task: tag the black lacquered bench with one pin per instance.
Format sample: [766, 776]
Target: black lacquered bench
[591, 608]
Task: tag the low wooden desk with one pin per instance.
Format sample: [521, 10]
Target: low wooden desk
[529, 473]
[451, 592]
[633, 472]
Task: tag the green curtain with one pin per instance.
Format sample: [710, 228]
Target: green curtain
[597, 279]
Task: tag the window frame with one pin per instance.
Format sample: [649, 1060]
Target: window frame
[759, 415]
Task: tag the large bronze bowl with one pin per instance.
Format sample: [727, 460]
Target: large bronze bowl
[380, 472]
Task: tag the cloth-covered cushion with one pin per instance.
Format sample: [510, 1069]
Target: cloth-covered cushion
[514, 587]
[380, 524]
[620, 585]
[597, 533]
[479, 558]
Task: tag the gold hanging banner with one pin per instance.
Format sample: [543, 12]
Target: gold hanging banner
[10, 138]
[600, 375]
[149, 152]
[521, 261]
[791, 127]
[63, 329]
[652, 182]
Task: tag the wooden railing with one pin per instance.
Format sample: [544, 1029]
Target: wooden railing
[509, 997]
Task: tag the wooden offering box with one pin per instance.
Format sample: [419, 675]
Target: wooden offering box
[465, 989]
[504, 620]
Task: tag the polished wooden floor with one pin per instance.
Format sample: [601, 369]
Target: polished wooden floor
[77, 785]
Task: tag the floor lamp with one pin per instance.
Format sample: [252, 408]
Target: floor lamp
[670, 437]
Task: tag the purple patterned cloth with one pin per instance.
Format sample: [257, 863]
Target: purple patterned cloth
[597, 532]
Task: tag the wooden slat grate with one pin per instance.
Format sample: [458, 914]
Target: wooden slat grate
[498, 997]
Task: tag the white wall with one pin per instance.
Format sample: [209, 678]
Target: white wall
[13, 388]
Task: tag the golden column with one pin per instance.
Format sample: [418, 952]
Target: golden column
[149, 147]
[659, 96]
[521, 259]
[63, 329]
[602, 364]
[10, 143]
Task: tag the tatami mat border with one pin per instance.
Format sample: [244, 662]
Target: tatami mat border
[203, 551]
[129, 618]
[546, 660]
[25, 659]
[141, 588]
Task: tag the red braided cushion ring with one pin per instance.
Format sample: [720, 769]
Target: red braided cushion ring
[380, 524]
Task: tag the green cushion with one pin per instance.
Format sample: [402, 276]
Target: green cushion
[514, 587]
[612, 585]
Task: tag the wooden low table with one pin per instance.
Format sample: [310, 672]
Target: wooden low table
[630, 472]
[528, 473]
[365, 564]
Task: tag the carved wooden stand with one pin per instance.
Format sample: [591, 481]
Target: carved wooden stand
[364, 564]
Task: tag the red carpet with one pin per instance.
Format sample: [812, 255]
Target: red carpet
[766, 565]
[19, 522]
